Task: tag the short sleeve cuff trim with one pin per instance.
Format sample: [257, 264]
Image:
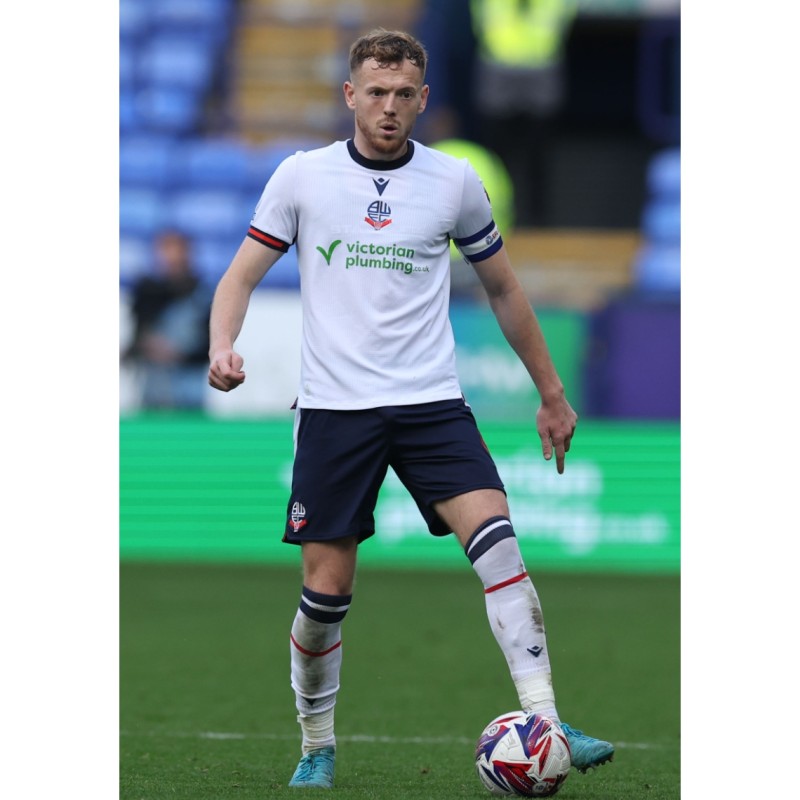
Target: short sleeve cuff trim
[269, 241]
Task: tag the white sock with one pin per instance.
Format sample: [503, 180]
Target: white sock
[316, 660]
[515, 613]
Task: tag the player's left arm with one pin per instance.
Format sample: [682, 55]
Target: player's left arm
[555, 419]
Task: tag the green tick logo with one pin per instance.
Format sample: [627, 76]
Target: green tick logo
[327, 254]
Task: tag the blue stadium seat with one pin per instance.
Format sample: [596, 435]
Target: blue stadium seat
[135, 257]
[661, 221]
[664, 174]
[284, 274]
[264, 159]
[175, 111]
[135, 18]
[262, 165]
[220, 213]
[127, 66]
[147, 161]
[141, 212]
[657, 265]
[129, 119]
[251, 197]
[177, 62]
[222, 163]
[658, 268]
[203, 17]
[212, 255]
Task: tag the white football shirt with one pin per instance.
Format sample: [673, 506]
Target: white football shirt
[373, 249]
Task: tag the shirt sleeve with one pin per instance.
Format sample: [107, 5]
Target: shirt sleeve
[274, 221]
[475, 232]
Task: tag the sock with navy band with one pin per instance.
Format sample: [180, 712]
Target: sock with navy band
[514, 611]
[316, 659]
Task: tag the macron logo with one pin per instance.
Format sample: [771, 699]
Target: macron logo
[328, 254]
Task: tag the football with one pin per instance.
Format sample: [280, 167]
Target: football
[522, 755]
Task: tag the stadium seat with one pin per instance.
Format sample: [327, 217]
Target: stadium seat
[147, 161]
[664, 174]
[212, 255]
[219, 213]
[661, 221]
[176, 111]
[262, 165]
[658, 268]
[212, 17]
[127, 66]
[141, 212]
[223, 163]
[284, 274]
[135, 257]
[177, 62]
[135, 18]
[129, 119]
[251, 196]
[265, 158]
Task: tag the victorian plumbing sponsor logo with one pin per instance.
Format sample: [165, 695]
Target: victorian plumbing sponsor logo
[374, 256]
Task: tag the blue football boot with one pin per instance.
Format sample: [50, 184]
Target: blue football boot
[315, 770]
[586, 751]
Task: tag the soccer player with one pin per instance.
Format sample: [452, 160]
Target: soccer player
[372, 219]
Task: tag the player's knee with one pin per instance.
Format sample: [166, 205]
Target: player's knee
[329, 567]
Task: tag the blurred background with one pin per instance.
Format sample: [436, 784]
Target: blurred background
[569, 111]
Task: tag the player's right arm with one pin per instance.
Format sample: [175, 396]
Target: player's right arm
[228, 309]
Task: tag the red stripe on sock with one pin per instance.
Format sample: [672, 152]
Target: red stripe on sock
[506, 583]
[311, 652]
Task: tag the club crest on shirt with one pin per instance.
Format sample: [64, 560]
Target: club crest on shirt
[378, 215]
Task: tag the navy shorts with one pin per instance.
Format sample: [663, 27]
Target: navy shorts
[341, 459]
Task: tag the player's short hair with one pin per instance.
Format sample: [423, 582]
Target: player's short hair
[388, 47]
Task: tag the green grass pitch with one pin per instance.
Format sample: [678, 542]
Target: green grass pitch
[206, 710]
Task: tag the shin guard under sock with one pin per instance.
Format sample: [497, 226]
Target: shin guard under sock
[316, 659]
[514, 611]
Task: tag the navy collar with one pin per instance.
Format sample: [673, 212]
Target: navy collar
[374, 163]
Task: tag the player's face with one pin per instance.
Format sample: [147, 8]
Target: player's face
[386, 101]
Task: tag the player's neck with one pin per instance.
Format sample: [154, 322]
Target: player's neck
[373, 153]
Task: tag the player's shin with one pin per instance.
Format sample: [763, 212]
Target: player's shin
[316, 659]
[514, 611]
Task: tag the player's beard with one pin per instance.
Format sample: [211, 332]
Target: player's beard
[378, 143]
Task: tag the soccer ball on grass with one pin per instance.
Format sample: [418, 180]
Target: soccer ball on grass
[522, 755]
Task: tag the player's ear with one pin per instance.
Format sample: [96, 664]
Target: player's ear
[423, 98]
[349, 95]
